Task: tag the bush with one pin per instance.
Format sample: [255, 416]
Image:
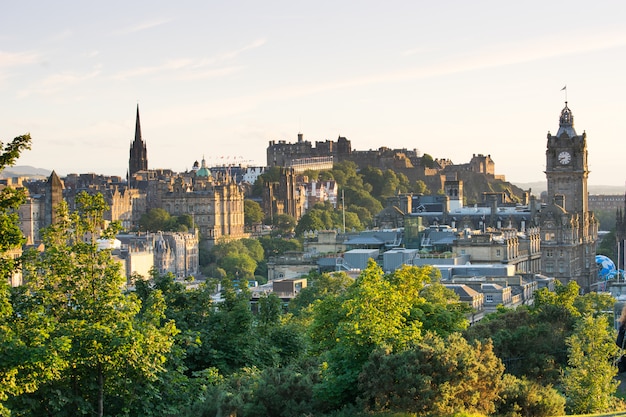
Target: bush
[521, 398]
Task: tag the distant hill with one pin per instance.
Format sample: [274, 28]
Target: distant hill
[25, 171]
[538, 187]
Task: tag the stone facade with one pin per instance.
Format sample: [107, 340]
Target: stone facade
[569, 231]
[216, 205]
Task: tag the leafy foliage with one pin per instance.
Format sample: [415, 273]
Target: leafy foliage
[377, 311]
[588, 380]
[253, 214]
[435, 377]
[524, 397]
[101, 337]
[158, 219]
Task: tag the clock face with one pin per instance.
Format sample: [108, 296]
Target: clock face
[565, 158]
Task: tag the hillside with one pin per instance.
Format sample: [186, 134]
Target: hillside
[24, 171]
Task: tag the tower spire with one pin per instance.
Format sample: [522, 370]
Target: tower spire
[138, 160]
[137, 127]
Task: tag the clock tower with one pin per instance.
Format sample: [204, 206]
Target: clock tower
[569, 231]
[566, 164]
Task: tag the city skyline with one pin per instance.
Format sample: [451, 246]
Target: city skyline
[220, 81]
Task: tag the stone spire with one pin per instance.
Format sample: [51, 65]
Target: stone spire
[138, 154]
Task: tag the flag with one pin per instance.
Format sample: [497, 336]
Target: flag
[564, 88]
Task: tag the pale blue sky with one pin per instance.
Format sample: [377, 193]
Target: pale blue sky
[221, 79]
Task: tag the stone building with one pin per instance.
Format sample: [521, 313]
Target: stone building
[285, 154]
[215, 205]
[522, 249]
[177, 253]
[285, 196]
[569, 230]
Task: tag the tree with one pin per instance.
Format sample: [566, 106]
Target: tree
[319, 286]
[284, 224]
[155, 220]
[377, 311]
[10, 200]
[311, 221]
[31, 356]
[428, 161]
[435, 377]
[253, 214]
[274, 246]
[588, 380]
[79, 287]
[530, 341]
[420, 187]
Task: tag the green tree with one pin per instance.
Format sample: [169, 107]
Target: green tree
[238, 265]
[254, 248]
[428, 161]
[311, 221]
[157, 219]
[228, 342]
[436, 377]
[588, 380]
[420, 187]
[31, 354]
[530, 341]
[110, 344]
[252, 212]
[284, 224]
[274, 246]
[375, 312]
[10, 200]
[319, 286]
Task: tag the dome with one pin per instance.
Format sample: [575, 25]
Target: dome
[203, 171]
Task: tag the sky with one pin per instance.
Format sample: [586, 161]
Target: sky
[220, 80]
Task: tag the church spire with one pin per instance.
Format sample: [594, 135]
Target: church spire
[138, 153]
[138, 127]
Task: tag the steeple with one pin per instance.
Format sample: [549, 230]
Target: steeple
[138, 154]
[138, 127]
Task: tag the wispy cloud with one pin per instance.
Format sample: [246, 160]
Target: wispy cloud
[142, 26]
[58, 82]
[13, 59]
[492, 56]
[173, 65]
[233, 54]
[192, 69]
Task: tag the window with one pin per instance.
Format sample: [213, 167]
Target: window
[549, 253]
[489, 298]
[498, 252]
